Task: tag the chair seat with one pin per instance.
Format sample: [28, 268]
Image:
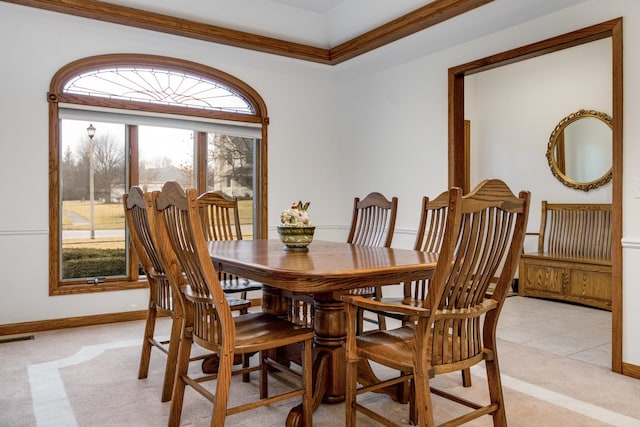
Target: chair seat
[236, 285]
[397, 353]
[236, 303]
[396, 344]
[261, 331]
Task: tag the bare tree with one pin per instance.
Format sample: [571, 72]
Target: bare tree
[72, 185]
[232, 160]
[108, 160]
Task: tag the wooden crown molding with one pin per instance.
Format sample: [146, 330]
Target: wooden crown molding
[431, 14]
[420, 19]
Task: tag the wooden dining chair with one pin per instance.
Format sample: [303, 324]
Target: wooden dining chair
[429, 238]
[220, 218]
[372, 224]
[163, 297]
[208, 321]
[455, 325]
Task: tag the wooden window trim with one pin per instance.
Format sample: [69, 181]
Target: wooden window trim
[56, 96]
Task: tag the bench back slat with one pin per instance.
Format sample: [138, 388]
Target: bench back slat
[575, 230]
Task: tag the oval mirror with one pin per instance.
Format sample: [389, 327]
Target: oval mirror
[580, 150]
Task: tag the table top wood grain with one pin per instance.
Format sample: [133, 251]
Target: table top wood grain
[326, 267]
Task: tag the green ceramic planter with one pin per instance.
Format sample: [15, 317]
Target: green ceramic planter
[296, 239]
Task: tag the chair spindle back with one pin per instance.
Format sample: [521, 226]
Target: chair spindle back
[140, 230]
[220, 216]
[491, 225]
[373, 221]
[182, 243]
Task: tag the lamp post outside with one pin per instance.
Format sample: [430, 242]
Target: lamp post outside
[91, 131]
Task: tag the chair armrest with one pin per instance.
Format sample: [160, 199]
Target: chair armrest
[384, 306]
[189, 294]
[485, 306]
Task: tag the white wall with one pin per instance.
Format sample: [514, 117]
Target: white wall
[514, 109]
[395, 127]
[395, 137]
[378, 122]
[299, 97]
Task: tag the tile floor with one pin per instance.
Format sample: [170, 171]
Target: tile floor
[577, 332]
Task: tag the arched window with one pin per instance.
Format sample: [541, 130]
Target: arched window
[122, 120]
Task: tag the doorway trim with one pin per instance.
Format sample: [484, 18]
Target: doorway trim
[459, 155]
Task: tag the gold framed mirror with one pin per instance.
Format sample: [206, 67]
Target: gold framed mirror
[580, 152]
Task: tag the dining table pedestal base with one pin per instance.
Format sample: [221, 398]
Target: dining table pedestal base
[329, 324]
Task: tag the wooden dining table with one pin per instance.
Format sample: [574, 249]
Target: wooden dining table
[324, 272]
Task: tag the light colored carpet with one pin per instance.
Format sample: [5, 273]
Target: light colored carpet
[88, 377]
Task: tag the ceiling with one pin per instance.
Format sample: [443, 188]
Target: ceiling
[328, 23]
[319, 6]
[326, 31]
[318, 23]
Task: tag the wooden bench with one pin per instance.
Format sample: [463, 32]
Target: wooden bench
[573, 261]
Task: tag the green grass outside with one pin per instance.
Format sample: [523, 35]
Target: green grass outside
[107, 216]
[110, 216]
[105, 256]
[245, 211]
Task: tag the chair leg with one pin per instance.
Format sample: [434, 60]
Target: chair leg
[307, 383]
[413, 413]
[149, 330]
[223, 383]
[350, 392]
[382, 322]
[495, 392]
[264, 378]
[182, 366]
[423, 404]
[466, 377]
[245, 364]
[172, 359]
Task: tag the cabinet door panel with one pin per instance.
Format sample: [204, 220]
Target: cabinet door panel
[544, 278]
[590, 284]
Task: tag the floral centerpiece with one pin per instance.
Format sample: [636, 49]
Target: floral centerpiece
[295, 229]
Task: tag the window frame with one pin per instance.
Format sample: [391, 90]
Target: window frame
[57, 96]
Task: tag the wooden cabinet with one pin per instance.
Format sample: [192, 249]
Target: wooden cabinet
[585, 281]
[573, 261]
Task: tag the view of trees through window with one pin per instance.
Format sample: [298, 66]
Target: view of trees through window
[230, 169]
[93, 176]
[118, 120]
[92, 181]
